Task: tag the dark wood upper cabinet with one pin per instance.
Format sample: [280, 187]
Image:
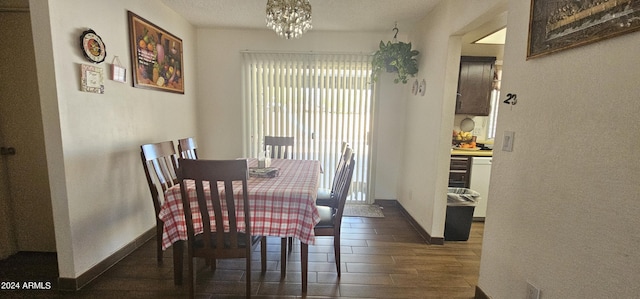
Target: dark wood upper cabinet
[474, 85]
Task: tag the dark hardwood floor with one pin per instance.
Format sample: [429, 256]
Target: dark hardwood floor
[381, 258]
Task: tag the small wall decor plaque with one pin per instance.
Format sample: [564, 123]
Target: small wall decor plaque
[92, 79]
[118, 73]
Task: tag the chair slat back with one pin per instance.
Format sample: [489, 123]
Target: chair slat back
[342, 189]
[187, 148]
[279, 147]
[206, 174]
[159, 163]
[344, 157]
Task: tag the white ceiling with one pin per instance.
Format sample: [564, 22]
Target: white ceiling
[327, 15]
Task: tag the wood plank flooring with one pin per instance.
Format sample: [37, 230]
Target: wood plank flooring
[381, 258]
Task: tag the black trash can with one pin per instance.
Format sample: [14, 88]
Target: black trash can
[461, 202]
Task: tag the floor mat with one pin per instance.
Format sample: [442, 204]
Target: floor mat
[360, 210]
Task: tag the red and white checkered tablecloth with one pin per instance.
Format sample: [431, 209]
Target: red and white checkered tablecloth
[283, 206]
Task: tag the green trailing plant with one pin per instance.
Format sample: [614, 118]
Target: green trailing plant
[395, 57]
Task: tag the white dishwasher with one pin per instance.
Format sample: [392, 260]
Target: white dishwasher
[479, 182]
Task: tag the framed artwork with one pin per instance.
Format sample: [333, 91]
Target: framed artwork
[556, 25]
[156, 56]
[91, 78]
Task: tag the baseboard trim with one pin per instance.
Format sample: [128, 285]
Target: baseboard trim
[74, 284]
[480, 294]
[423, 233]
[386, 202]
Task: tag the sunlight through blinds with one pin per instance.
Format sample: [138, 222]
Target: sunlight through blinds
[322, 100]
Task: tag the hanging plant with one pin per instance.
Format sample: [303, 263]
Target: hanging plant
[395, 57]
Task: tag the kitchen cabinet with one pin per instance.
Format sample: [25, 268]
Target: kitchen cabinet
[459, 169]
[479, 181]
[474, 85]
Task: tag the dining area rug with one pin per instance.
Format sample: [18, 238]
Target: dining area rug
[362, 210]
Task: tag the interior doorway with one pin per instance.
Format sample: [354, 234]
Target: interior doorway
[494, 48]
[25, 199]
[483, 128]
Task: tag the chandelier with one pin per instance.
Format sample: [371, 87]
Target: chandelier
[289, 18]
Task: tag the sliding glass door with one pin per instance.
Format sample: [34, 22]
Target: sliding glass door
[322, 100]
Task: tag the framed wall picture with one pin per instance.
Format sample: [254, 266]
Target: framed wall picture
[91, 78]
[156, 56]
[556, 25]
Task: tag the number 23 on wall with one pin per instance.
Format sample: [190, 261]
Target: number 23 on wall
[512, 99]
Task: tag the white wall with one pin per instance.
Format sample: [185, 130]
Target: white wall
[99, 194]
[564, 204]
[390, 134]
[220, 124]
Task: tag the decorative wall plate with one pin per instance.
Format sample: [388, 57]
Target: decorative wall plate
[414, 89]
[92, 46]
[422, 88]
[467, 124]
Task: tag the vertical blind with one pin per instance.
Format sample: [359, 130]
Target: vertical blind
[322, 100]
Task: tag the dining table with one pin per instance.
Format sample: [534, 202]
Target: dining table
[281, 206]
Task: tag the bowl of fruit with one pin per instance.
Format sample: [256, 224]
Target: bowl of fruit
[463, 140]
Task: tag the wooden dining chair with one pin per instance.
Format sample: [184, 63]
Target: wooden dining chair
[279, 147]
[159, 163]
[227, 239]
[187, 148]
[325, 196]
[330, 217]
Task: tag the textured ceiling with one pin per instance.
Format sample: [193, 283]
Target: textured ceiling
[331, 15]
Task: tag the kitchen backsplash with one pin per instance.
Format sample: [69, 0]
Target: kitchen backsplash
[480, 129]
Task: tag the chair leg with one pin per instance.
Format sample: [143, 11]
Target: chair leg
[304, 261]
[212, 263]
[248, 270]
[283, 257]
[336, 250]
[191, 278]
[178, 256]
[263, 254]
[290, 244]
[159, 244]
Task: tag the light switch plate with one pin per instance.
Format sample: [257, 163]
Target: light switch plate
[507, 141]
